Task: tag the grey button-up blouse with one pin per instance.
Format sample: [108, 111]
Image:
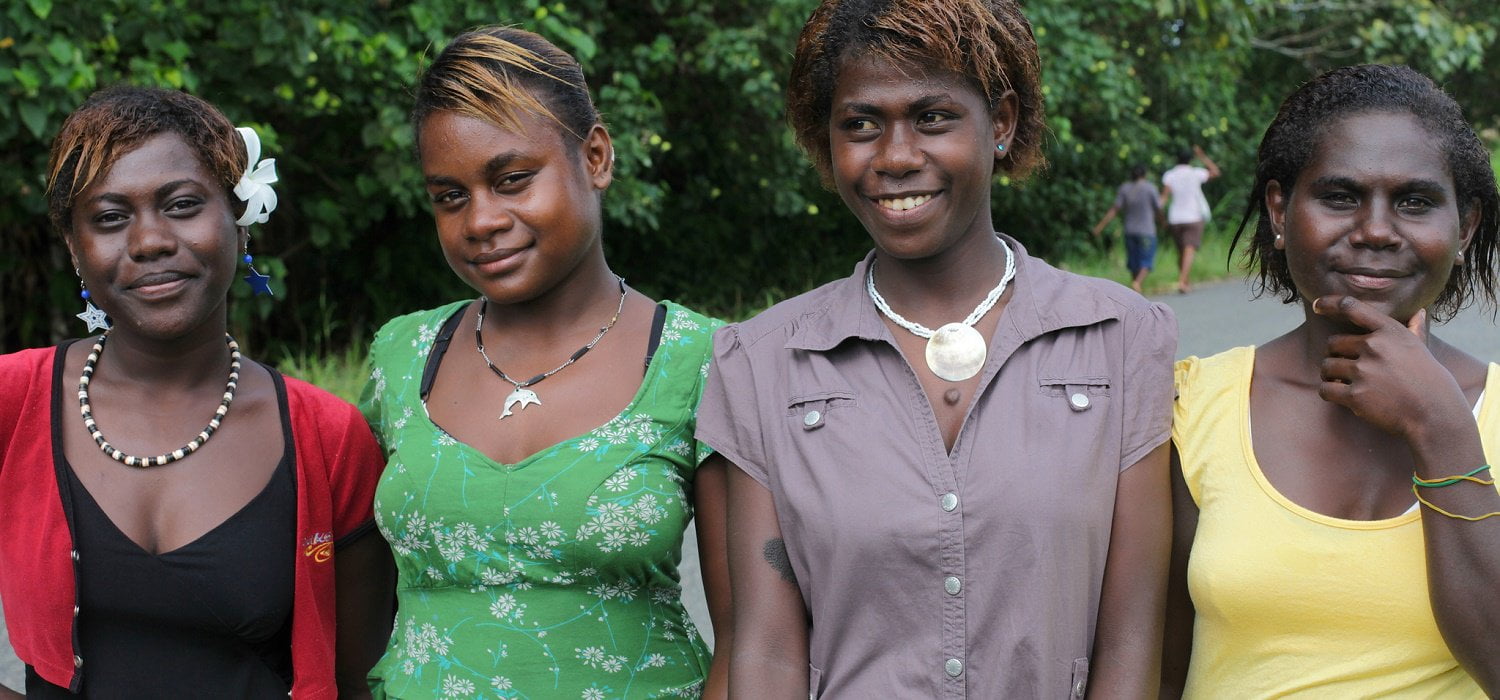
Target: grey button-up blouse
[930, 574]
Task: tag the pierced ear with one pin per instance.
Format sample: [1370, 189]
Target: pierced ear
[1005, 115]
[599, 155]
[1276, 199]
[1468, 227]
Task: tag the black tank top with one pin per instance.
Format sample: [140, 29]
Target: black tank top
[210, 619]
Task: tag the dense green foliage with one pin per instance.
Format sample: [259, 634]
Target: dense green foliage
[712, 204]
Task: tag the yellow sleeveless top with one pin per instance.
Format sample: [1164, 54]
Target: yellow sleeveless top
[1291, 603]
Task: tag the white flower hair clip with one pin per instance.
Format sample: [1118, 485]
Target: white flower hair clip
[254, 187]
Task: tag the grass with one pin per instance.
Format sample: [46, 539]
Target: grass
[343, 373]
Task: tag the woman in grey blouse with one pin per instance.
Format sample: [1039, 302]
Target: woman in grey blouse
[979, 510]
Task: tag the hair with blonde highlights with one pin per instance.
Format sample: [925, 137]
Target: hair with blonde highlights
[117, 120]
[497, 74]
[987, 41]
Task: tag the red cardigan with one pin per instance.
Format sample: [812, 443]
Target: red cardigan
[337, 466]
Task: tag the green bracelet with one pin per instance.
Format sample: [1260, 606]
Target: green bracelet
[1449, 481]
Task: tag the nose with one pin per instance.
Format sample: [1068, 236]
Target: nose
[1377, 228]
[488, 215]
[150, 238]
[897, 154]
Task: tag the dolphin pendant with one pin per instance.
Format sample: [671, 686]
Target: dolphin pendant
[522, 396]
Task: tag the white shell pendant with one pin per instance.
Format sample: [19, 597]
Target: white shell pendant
[956, 352]
[522, 396]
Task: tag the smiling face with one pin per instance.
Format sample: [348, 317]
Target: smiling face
[913, 153]
[517, 212]
[156, 242]
[1373, 214]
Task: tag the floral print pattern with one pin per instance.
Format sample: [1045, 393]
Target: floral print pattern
[555, 577]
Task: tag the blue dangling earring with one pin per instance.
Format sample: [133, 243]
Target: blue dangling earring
[92, 315]
[259, 284]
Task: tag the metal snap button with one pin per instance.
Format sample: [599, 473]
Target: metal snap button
[954, 667]
[812, 419]
[952, 585]
[77, 661]
[1079, 401]
[950, 501]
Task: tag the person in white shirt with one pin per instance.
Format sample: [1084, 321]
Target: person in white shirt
[1188, 210]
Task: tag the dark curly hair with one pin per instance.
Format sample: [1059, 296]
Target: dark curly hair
[115, 121]
[988, 41]
[495, 74]
[1293, 138]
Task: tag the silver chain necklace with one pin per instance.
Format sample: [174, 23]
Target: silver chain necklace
[523, 395]
[955, 351]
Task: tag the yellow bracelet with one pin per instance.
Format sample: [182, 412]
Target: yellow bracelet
[1455, 516]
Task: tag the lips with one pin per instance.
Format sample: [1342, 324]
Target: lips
[499, 259]
[158, 284]
[1370, 277]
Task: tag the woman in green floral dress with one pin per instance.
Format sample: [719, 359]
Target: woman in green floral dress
[542, 466]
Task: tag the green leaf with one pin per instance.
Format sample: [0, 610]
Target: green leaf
[40, 8]
[34, 116]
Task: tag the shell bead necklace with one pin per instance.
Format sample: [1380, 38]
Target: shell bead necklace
[955, 351]
[130, 460]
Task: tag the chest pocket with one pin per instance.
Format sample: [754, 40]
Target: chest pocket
[813, 411]
[1080, 393]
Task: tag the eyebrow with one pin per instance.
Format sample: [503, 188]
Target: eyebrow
[921, 103]
[492, 167]
[159, 193]
[1419, 184]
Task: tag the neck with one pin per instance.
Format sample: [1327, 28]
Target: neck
[945, 287]
[583, 300]
[201, 358]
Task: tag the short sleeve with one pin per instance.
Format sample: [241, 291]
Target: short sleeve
[353, 475]
[1184, 373]
[1120, 197]
[728, 418]
[1201, 174]
[370, 395]
[1151, 343]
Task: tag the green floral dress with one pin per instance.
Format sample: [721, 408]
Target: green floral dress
[555, 577]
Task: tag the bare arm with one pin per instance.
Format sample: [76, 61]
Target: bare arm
[1177, 648]
[1108, 217]
[8, 694]
[769, 659]
[1389, 378]
[1213, 169]
[1127, 644]
[365, 578]
[710, 503]
[1166, 196]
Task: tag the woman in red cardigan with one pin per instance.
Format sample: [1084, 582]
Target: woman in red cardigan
[171, 512]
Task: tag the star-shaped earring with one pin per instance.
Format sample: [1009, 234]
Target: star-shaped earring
[259, 284]
[94, 316]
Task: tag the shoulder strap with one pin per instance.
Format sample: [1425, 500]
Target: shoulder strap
[658, 321]
[439, 347]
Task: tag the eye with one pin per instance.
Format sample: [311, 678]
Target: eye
[860, 125]
[184, 205]
[1413, 204]
[110, 218]
[447, 197]
[513, 180]
[934, 118]
[1338, 200]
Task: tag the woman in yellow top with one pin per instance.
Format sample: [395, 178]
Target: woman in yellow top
[1332, 486]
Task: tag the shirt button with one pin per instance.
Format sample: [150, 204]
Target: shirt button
[812, 418]
[952, 585]
[1078, 689]
[954, 667]
[1079, 401]
[74, 554]
[75, 611]
[950, 501]
[77, 661]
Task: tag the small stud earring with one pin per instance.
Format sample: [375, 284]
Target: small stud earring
[1000, 147]
[1278, 238]
[1458, 259]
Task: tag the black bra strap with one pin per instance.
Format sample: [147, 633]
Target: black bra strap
[439, 347]
[657, 323]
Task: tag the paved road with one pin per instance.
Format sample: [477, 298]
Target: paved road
[1212, 318]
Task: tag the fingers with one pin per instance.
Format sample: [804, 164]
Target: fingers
[1342, 370]
[1352, 311]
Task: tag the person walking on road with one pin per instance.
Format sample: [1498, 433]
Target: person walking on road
[1141, 207]
[1188, 210]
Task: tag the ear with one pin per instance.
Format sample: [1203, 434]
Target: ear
[599, 157]
[1470, 225]
[242, 235]
[1276, 201]
[72, 254]
[1005, 115]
